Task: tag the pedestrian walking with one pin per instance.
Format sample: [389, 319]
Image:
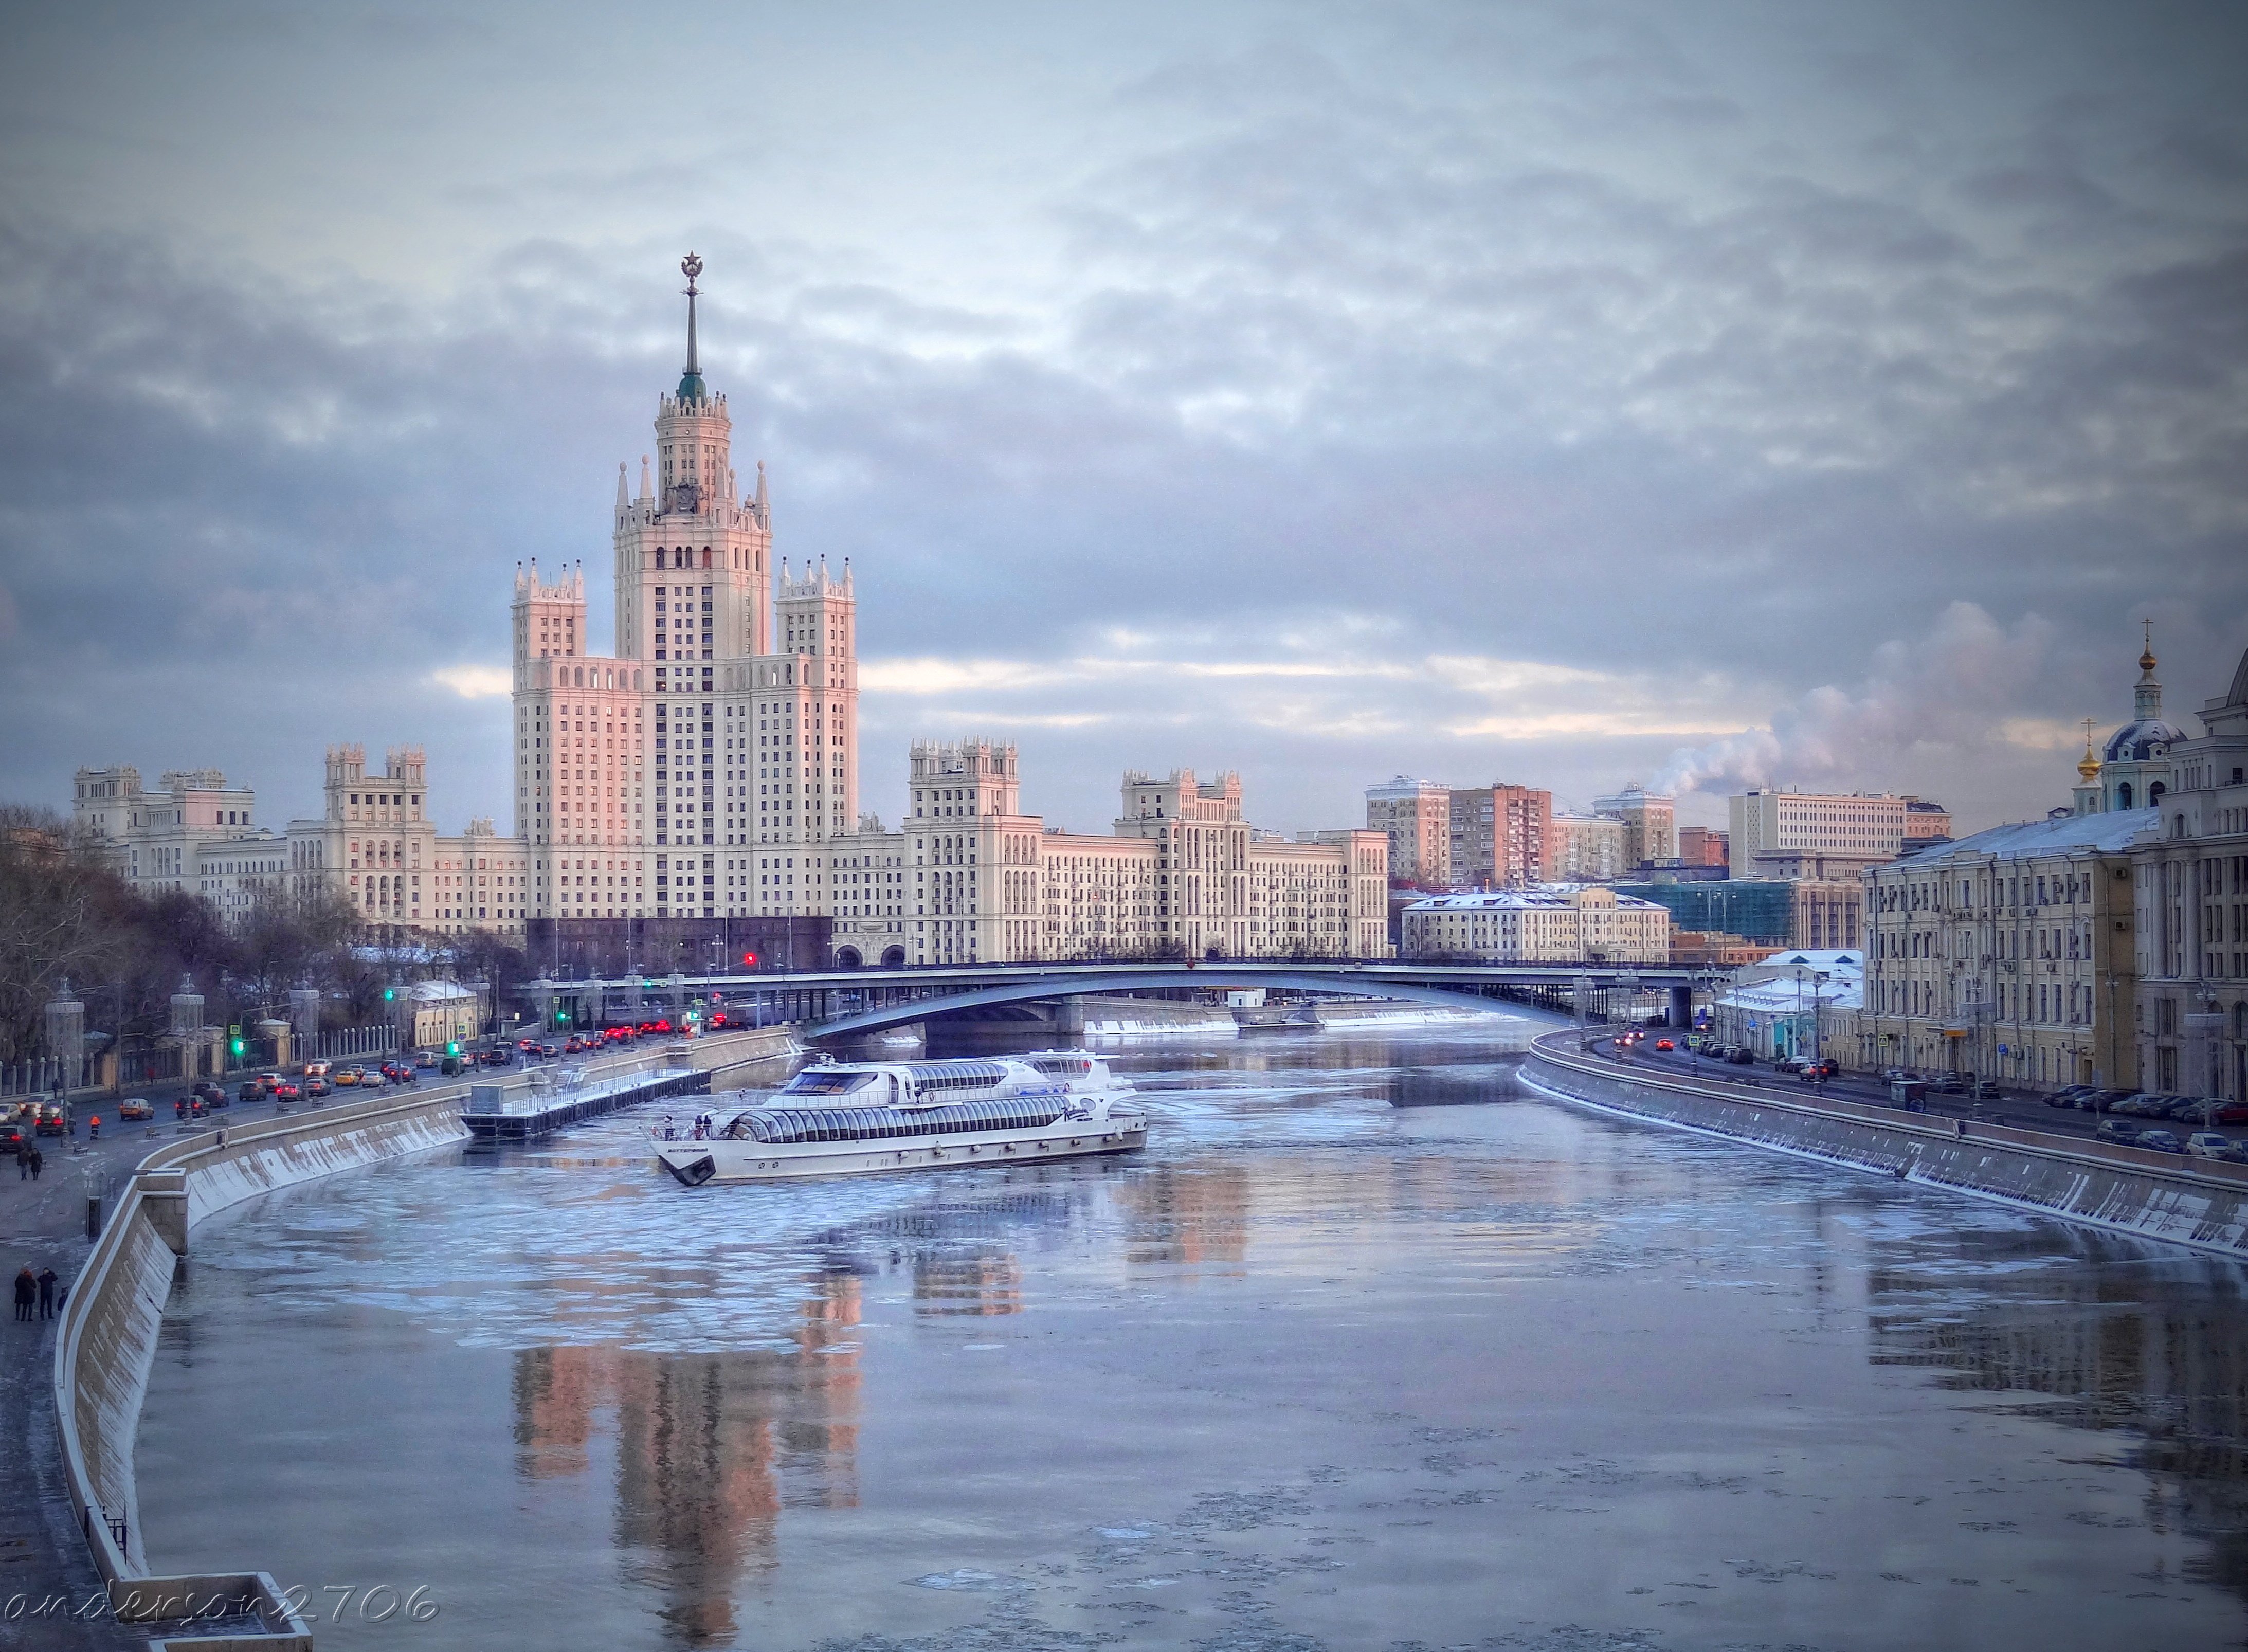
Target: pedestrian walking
[47, 1293]
[27, 1291]
[38, 1162]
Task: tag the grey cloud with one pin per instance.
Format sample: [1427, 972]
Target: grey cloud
[1404, 326]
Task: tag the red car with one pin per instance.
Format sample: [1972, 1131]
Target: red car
[287, 1090]
[1664, 1043]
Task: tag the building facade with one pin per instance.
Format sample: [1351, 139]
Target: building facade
[1650, 831]
[2008, 955]
[2189, 883]
[1498, 836]
[1778, 912]
[1416, 817]
[373, 844]
[1802, 834]
[1585, 848]
[969, 878]
[1701, 846]
[1546, 925]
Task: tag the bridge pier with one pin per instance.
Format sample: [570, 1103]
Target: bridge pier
[1681, 1006]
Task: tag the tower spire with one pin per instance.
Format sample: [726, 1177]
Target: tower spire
[690, 383]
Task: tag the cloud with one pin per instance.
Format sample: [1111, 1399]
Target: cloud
[1534, 392]
[1932, 705]
[476, 682]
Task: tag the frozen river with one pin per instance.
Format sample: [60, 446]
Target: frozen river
[1313, 1371]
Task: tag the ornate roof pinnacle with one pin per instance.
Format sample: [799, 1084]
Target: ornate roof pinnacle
[690, 383]
[2146, 659]
[2087, 767]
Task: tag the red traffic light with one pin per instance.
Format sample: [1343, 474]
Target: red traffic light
[750, 960]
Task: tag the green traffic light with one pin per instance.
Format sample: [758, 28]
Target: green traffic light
[452, 1046]
[389, 993]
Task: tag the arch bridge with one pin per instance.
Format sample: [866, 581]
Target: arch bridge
[843, 1004]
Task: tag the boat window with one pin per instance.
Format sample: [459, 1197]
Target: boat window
[791, 1125]
[826, 1081]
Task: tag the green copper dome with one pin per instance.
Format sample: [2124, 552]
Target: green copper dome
[690, 388]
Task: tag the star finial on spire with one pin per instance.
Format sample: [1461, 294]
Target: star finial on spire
[690, 387]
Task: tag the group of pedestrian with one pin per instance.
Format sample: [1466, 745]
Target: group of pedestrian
[38, 1287]
[30, 1162]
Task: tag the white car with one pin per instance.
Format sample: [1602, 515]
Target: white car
[2208, 1144]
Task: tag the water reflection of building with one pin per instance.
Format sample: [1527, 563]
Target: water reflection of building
[991, 1283]
[710, 1447]
[2114, 1349]
[1188, 1217]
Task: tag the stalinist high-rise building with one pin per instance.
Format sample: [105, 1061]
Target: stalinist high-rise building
[726, 718]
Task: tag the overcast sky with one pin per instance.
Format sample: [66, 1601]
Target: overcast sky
[1561, 394]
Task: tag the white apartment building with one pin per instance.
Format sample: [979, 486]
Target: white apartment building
[1804, 834]
[969, 877]
[1586, 849]
[1551, 925]
[1415, 816]
[373, 844]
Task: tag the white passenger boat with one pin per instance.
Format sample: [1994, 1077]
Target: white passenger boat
[854, 1117]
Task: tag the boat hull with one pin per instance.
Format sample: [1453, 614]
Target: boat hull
[720, 1162]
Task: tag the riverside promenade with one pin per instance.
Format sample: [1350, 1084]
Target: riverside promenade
[42, 1558]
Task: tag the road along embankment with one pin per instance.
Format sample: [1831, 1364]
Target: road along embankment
[106, 1342]
[2158, 1196]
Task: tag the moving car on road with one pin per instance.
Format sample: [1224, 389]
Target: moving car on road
[134, 1106]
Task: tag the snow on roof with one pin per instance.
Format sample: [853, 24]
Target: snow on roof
[1560, 897]
[2106, 833]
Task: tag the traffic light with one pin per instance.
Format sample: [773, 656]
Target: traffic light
[240, 1045]
[389, 993]
[452, 1046]
[749, 960]
[561, 1018]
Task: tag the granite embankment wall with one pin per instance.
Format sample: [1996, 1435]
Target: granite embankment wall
[105, 1345]
[2159, 1195]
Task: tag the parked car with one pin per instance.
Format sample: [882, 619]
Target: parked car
[2113, 1129]
[2230, 1113]
[2068, 1097]
[2208, 1144]
[2102, 1100]
[2161, 1142]
[1815, 1072]
[1787, 1064]
[2188, 1109]
[134, 1106]
[1740, 1057]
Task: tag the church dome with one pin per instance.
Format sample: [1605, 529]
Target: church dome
[2146, 737]
[2144, 740]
